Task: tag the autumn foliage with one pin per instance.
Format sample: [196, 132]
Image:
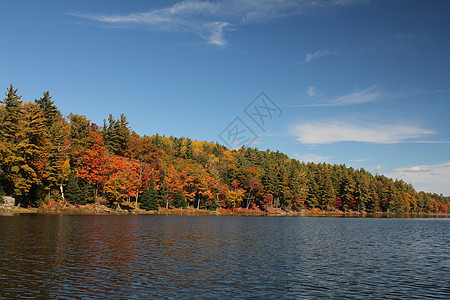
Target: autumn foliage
[47, 159]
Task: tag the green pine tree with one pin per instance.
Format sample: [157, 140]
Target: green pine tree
[179, 200]
[189, 152]
[49, 109]
[213, 205]
[73, 193]
[163, 194]
[149, 198]
[11, 115]
[312, 198]
[88, 194]
[116, 134]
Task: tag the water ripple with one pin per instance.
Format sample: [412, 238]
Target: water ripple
[185, 257]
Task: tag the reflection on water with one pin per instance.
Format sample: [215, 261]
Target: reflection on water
[52, 256]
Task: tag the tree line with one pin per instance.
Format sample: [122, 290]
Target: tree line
[46, 157]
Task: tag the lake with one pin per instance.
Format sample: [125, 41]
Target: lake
[191, 257]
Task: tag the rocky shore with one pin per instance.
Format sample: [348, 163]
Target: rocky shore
[95, 209]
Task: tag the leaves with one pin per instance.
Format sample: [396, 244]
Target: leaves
[42, 151]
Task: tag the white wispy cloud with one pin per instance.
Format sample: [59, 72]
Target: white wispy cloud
[210, 19]
[184, 16]
[378, 168]
[255, 143]
[318, 54]
[310, 157]
[336, 131]
[360, 160]
[433, 142]
[356, 97]
[215, 33]
[311, 92]
[428, 178]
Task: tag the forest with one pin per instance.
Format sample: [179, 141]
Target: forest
[48, 158]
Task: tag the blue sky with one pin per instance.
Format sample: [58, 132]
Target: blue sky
[361, 83]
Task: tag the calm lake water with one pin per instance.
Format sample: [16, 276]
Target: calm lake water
[186, 257]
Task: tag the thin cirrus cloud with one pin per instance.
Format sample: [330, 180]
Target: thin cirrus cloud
[428, 178]
[311, 92]
[335, 131]
[318, 54]
[185, 16]
[360, 160]
[367, 95]
[210, 19]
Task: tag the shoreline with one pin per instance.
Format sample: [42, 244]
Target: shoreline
[91, 209]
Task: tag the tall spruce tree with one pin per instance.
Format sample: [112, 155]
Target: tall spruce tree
[73, 193]
[50, 111]
[312, 198]
[149, 198]
[116, 134]
[189, 152]
[12, 114]
[326, 194]
[179, 200]
[164, 194]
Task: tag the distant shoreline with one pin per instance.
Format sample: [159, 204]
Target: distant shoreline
[103, 210]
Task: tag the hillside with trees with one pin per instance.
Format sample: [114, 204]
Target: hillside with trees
[45, 157]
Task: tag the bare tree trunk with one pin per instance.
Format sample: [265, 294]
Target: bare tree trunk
[62, 191]
[248, 199]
